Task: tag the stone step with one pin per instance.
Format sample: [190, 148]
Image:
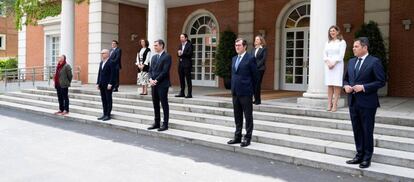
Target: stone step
[382, 155]
[377, 171]
[208, 101]
[382, 129]
[398, 143]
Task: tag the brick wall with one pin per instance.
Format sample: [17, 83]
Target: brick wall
[353, 16]
[7, 27]
[401, 69]
[226, 13]
[81, 40]
[132, 20]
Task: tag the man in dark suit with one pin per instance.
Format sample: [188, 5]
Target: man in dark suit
[105, 82]
[159, 74]
[115, 57]
[243, 80]
[365, 75]
[185, 52]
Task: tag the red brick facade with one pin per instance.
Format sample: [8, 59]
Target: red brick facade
[81, 40]
[401, 68]
[8, 28]
[133, 20]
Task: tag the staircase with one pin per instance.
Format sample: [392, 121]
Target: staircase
[307, 137]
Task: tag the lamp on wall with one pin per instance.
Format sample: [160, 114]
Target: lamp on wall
[407, 24]
[134, 36]
[347, 27]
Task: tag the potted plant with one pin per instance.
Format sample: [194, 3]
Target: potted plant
[224, 54]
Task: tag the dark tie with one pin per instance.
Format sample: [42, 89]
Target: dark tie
[237, 62]
[358, 65]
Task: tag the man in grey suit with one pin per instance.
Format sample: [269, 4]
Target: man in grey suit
[159, 74]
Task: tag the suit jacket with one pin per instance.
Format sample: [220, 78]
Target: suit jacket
[65, 76]
[116, 57]
[260, 57]
[371, 75]
[186, 55]
[243, 80]
[106, 75]
[160, 69]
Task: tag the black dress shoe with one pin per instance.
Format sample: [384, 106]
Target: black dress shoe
[106, 118]
[180, 95]
[365, 164]
[245, 143]
[189, 96]
[234, 141]
[154, 126]
[101, 118]
[115, 90]
[354, 161]
[163, 128]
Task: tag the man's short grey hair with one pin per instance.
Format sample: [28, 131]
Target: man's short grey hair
[105, 51]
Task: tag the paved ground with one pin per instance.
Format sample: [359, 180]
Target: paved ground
[37, 148]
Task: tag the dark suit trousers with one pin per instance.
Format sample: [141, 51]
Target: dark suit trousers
[363, 121]
[106, 97]
[185, 75]
[159, 94]
[243, 104]
[116, 86]
[63, 98]
[257, 95]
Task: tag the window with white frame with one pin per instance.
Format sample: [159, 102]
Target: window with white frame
[2, 42]
[53, 50]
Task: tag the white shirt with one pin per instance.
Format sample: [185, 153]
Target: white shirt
[257, 50]
[103, 64]
[362, 61]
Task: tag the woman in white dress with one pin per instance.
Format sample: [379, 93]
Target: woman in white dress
[334, 66]
[143, 63]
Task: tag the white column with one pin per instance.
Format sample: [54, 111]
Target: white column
[21, 51]
[67, 33]
[103, 28]
[323, 15]
[156, 20]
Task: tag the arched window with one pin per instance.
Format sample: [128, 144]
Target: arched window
[203, 33]
[295, 53]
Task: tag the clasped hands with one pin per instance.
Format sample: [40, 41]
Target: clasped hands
[153, 82]
[355, 88]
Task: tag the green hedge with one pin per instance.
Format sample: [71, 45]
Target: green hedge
[8, 63]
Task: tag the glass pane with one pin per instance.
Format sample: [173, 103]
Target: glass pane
[289, 70]
[290, 36]
[201, 20]
[298, 71]
[294, 15]
[298, 79]
[302, 10]
[304, 22]
[299, 44]
[196, 25]
[202, 30]
[289, 79]
[289, 62]
[289, 44]
[290, 23]
[299, 52]
[193, 41]
[299, 62]
[299, 35]
[198, 76]
[289, 53]
[199, 40]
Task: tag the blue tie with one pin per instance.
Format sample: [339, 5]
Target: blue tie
[358, 66]
[237, 62]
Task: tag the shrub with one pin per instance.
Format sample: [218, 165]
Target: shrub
[225, 51]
